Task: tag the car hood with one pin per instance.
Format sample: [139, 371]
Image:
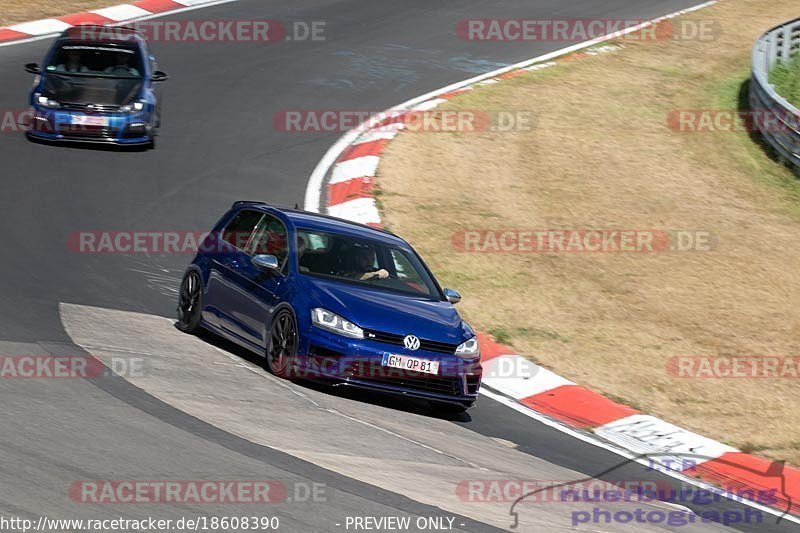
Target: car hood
[87, 90]
[390, 312]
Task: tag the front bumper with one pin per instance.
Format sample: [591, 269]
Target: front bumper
[357, 363]
[122, 129]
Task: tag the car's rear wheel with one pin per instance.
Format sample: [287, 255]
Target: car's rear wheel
[282, 344]
[190, 303]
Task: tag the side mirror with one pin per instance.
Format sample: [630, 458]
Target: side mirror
[33, 68]
[267, 262]
[452, 296]
[159, 76]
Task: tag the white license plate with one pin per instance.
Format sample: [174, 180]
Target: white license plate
[414, 364]
[86, 120]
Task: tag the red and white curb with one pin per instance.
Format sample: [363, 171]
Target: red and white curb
[343, 184]
[119, 14]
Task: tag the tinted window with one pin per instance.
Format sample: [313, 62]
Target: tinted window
[238, 230]
[405, 269]
[270, 238]
[97, 60]
[363, 261]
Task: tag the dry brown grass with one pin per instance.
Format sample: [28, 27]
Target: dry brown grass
[15, 11]
[602, 157]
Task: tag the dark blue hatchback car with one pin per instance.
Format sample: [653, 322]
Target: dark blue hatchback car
[325, 298]
[98, 84]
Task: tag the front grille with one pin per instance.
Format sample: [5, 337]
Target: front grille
[397, 340]
[96, 108]
[88, 133]
[371, 373]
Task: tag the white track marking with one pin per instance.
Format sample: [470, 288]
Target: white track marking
[648, 434]
[122, 12]
[515, 376]
[362, 210]
[192, 5]
[591, 439]
[355, 168]
[41, 27]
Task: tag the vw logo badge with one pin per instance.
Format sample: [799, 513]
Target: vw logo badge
[411, 342]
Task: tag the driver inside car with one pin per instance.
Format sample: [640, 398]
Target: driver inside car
[365, 269]
[123, 67]
[72, 64]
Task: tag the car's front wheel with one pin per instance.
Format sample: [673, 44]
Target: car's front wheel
[190, 302]
[282, 344]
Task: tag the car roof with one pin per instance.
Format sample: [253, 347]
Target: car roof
[320, 222]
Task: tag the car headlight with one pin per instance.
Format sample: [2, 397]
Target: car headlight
[45, 101]
[468, 349]
[136, 106]
[322, 318]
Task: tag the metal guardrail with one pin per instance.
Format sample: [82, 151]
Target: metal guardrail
[777, 120]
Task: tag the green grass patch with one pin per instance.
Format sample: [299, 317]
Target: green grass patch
[786, 79]
[747, 148]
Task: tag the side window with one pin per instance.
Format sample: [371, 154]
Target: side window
[406, 272]
[238, 230]
[270, 238]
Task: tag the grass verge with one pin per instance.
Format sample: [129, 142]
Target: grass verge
[603, 157]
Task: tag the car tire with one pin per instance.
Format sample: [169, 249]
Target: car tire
[190, 303]
[283, 340]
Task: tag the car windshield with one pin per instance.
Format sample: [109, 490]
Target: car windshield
[364, 262]
[97, 61]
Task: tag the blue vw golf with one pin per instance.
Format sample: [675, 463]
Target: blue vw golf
[98, 85]
[325, 298]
